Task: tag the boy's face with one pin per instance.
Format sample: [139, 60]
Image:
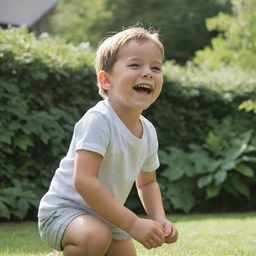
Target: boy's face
[136, 79]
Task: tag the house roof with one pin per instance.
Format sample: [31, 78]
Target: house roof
[24, 12]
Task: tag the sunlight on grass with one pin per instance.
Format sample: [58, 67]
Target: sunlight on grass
[200, 235]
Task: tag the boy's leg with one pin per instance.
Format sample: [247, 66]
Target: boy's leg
[121, 247]
[86, 235]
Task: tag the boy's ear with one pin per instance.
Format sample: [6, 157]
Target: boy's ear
[104, 80]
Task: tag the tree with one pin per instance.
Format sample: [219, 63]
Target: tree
[181, 22]
[235, 46]
[73, 20]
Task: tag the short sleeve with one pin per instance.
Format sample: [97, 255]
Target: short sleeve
[92, 133]
[151, 162]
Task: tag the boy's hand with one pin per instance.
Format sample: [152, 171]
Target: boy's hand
[170, 232]
[148, 232]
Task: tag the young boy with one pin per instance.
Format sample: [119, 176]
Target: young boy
[113, 145]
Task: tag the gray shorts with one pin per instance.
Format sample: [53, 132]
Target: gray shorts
[52, 228]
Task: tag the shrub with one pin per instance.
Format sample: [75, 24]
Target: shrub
[224, 164]
[195, 106]
[45, 86]
[196, 109]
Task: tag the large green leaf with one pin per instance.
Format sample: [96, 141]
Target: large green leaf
[6, 136]
[239, 146]
[8, 200]
[201, 162]
[214, 143]
[178, 164]
[248, 159]
[22, 142]
[240, 186]
[175, 172]
[212, 191]
[245, 170]
[220, 176]
[205, 180]
[183, 202]
[180, 194]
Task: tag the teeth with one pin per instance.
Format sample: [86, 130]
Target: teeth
[143, 86]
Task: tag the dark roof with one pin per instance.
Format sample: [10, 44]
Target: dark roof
[24, 12]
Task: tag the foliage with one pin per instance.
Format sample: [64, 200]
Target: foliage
[195, 101]
[45, 85]
[235, 46]
[226, 163]
[230, 82]
[17, 200]
[249, 105]
[181, 22]
[73, 20]
[198, 106]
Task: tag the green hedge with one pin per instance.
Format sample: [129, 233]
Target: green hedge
[207, 145]
[45, 87]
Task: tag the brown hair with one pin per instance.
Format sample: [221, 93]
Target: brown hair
[107, 52]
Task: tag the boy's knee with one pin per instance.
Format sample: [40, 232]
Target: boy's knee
[99, 239]
[96, 243]
[94, 238]
[90, 244]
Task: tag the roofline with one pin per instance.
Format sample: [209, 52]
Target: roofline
[42, 15]
[32, 23]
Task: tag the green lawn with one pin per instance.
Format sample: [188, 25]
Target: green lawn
[200, 235]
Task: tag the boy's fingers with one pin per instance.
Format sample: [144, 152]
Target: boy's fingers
[168, 229]
[159, 225]
[172, 237]
[155, 241]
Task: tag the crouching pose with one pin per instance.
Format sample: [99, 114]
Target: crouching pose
[113, 146]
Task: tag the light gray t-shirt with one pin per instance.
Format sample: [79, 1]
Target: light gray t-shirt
[124, 156]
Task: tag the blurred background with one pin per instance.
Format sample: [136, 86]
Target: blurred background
[205, 116]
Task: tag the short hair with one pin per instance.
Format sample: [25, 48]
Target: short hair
[107, 52]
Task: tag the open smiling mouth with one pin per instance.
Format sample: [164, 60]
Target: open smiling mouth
[143, 88]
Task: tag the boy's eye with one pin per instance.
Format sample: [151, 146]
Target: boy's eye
[134, 65]
[157, 68]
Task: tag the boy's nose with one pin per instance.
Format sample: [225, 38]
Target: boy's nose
[147, 73]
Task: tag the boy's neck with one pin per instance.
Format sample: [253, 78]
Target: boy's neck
[130, 118]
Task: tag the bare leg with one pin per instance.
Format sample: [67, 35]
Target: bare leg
[86, 235]
[124, 248]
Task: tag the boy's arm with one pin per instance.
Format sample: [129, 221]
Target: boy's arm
[150, 196]
[87, 166]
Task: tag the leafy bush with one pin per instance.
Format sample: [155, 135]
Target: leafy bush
[45, 86]
[234, 48]
[196, 108]
[225, 163]
[193, 101]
